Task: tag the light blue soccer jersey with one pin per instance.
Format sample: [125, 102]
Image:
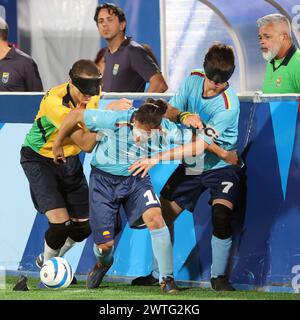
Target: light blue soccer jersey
[219, 114]
[116, 150]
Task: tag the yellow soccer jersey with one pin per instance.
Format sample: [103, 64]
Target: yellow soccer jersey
[54, 107]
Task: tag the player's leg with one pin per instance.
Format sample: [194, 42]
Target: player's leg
[48, 199]
[221, 244]
[224, 190]
[179, 193]
[57, 233]
[170, 210]
[79, 231]
[104, 256]
[162, 248]
[103, 208]
[75, 193]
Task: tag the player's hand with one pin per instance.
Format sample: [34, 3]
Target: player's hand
[193, 121]
[58, 152]
[231, 157]
[122, 104]
[143, 165]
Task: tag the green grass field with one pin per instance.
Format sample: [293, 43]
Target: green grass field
[120, 291]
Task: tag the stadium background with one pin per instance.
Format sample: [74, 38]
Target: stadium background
[266, 251]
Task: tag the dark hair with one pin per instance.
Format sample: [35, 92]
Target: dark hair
[100, 55]
[151, 112]
[219, 62]
[3, 30]
[84, 67]
[112, 9]
[150, 52]
[4, 34]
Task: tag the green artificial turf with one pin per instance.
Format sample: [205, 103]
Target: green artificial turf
[120, 291]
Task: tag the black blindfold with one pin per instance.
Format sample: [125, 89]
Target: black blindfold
[87, 86]
[216, 75]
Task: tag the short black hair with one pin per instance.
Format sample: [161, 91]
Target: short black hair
[84, 67]
[112, 9]
[151, 112]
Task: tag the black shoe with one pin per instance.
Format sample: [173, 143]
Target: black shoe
[221, 283]
[74, 281]
[168, 285]
[94, 278]
[21, 285]
[148, 280]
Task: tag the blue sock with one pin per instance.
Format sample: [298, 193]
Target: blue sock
[162, 250]
[106, 257]
[220, 254]
[155, 270]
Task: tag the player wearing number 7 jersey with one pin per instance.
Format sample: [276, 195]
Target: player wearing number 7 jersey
[126, 136]
[209, 96]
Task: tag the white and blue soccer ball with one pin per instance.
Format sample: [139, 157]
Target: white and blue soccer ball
[56, 273]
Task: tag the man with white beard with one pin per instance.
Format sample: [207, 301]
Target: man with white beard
[283, 68]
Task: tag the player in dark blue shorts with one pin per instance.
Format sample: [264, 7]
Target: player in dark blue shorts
[206, 96]
[125, 137]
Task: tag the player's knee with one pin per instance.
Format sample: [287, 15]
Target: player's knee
[57, 234]
[107, 246]
[155, 221]
[221, 221]
[79, 230]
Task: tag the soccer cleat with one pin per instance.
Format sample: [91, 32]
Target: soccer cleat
[148, 280]
[21, 285]
[94, 277]
[168, 285]
[221, 283]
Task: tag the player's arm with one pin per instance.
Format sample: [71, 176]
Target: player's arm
[230, 157]
[69, 127]
[179, 110]
[85, 140]
[194, 148]
[190, 149]
[187, 118]
[157, 83]
[144, 65]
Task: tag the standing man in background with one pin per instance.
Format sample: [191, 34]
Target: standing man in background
[18, 71]
[283, 68]
[127, 65]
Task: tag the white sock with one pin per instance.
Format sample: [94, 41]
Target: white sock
[66, 247]
[49, 252]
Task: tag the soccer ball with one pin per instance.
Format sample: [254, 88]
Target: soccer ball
[56, 273]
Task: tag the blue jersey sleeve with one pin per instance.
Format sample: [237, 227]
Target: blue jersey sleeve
[216, 126]
[105, 119]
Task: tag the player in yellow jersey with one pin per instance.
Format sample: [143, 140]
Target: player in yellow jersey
[61, 192]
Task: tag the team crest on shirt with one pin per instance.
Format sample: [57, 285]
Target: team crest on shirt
[5, 77]
[116, 69]
[278, 82]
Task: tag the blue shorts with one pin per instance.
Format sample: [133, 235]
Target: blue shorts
[107, 193]
[185, 190]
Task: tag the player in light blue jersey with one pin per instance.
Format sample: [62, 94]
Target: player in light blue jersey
[207, 101]
[125, 137]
